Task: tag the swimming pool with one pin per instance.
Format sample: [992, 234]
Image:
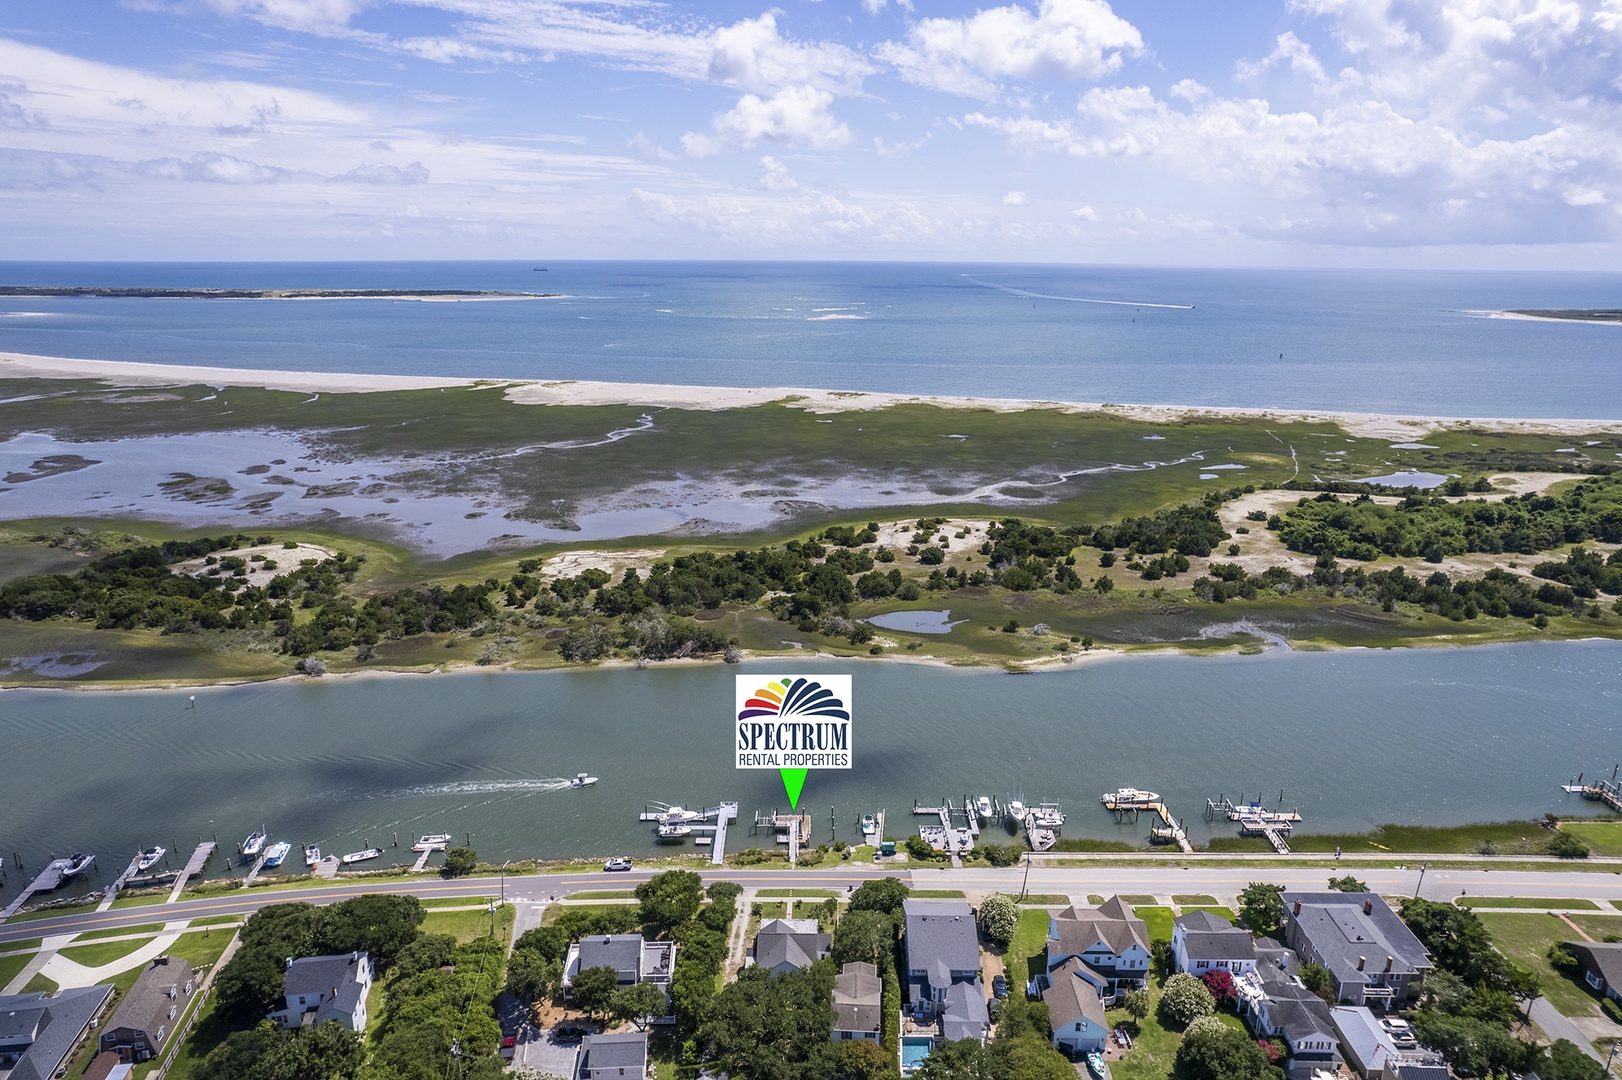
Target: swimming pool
[914, 1048]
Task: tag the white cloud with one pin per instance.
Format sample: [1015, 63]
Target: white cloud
[315, 16]
[1085, 213]
[797, 116]
[971, 56]
[386, 175]
[753, 55]
[1015, 198]
[1290, 51]
[774, 175]
[212, 168]
[1584, 197]
[894, 150]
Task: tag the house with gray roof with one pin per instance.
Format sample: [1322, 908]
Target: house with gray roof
[617, 1055]
[39, 1031]
[790, 945]
[316, 989]
[1275, 1004]
[943, 968]
[146, 1018]
[1371, 955]
[1600, 963]
[1109, 939]
[1202, 942]
[1075, 1009]
[634, 960]
[858, 1003]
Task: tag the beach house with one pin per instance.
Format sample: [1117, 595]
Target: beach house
[943, 969]
[145, 1020]
[316, 989]
[1202, 942]
[1371, 955]
[790, 945]
[1111, 943]
[858, 1003]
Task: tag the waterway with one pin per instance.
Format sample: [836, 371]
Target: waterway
[1353, 738]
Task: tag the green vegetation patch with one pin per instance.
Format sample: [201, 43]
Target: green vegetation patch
[816, 893]
[1525, 939]
[1158, 919]
[120, 931]
[1502, 838]
[12, 966]
[1193, 900]
[604, 894]
[1043, 900]
[1133, 899]
[938, 894]
[1219, 911]
[1547, 903]
[104, 952]
[1604, 836]
[1026, 955]
[466, 926]
[52, 912]
[1087, 843]
[39, 984]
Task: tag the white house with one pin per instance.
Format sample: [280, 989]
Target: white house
[1202, 942]
[1075, 1009]
[1108, 939]
[321, 988]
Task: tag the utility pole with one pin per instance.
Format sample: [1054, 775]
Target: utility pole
[1422, 868]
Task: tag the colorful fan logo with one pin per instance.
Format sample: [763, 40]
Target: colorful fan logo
[793, 697]
[792, 723]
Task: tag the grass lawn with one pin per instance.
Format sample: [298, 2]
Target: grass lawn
[772, 909]
[1193, 900]
[1605, 837]
[10, 966]
[604, 894]
[1520, 902]
[51, 913]
[933, 894]
[1026, 955]
[120, 931]
[1134, 899]
[1598, 927]
[1506, 837]
[25, 945]
[1154, 1047]
[468, 926]
[205, 1036]
[1157, 919]
[141, 899]
[104, 952]
[1037, 899]
[819, 894]
[39, 984]
[217, 920]
[1526, 939]
[473, 901]
[555, 911]
[1221, 912]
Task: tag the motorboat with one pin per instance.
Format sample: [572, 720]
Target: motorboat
[1047, 816]
[276, 853]
[361, 856]
[1129, 798]
[254, 844]
[982, 806]
[432, 842]
[675, 815]
[149, 858]
[581, 780]
[1016, 810]
[674, 830]
[312, 855]
[1095, 1064]
[78, 863]
[870, 825]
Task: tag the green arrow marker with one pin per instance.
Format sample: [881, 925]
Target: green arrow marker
[793, 783]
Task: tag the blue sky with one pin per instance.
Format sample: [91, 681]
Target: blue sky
[1469, 133]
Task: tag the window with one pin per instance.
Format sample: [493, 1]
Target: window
[1593, 979]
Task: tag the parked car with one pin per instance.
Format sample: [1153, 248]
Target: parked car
[617, 864]
[999, 986]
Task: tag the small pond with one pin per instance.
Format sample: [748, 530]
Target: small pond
[1409, 479]
[916, 622]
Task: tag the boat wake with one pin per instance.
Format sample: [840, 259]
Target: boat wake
[477, 787]
[1075, 299]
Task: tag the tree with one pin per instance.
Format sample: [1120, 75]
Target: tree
[864, 936]
[1220, 983]
[1136, 1005]
[330, 1052]
[1567, 846]
[1458, 942]
[531, 976]
[1214, 1051]
[640, 1003]
[864, 1059]
[1347, 884]
[593, 989]
[773, 1026]
[964, 1059]
[1262, 907]
[1162, 957]
[378, 923]
[460, 862]
[551, 942]
[670, 898]
[1316, 977]
[999, 916]
[884, 894]
[919, 849]
[1564, 1061]
[1185, 999]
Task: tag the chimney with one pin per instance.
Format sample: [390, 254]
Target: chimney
[1388, 963]
[1360, 962]
[1298, 907]
[289, 961]
[1368, 907]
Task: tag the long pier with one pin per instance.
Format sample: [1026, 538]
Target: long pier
[49, 880]
[1608, 792]
[1274, 825]
[194, 867]
[1170, 829]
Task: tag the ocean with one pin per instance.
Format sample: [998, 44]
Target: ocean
[1368, 341]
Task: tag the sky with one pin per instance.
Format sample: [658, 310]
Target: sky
[1481, 134]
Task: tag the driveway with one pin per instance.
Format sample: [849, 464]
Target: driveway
[1556, 1025]
[538, 1050]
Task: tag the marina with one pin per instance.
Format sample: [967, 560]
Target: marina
[1129, 800]
[1608, 792]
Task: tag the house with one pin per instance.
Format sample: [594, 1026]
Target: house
[1108, 939]
[1372, 957]
[316, 989]
[1075, 1009]
[943, 968]
[790, 945]
[39, 1031]
[633, 959]
[620, 1055]
[1276, 1005]
[858, 1003]
[145, 1020]
[1384, 1048]
[1600, 963]
[1202, 942]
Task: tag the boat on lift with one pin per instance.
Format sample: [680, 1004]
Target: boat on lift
[1016, 811]
[78, 863]
[870, 825]
[312, 855]
[1129, 798]
[983, 807]
[1047, 816]
[671, 831]
[276, 852]
[361, 856]
[582, 780]
[432, 842]
[149, 858]
[254, 844]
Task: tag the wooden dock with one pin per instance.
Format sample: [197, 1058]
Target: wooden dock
[1608, 792]
[728, 813]
[1169, 831]
[947, 836]
[194, 867]
[49, 880]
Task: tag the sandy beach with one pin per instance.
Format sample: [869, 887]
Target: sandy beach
[1396, 427]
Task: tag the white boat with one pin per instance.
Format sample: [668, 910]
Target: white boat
[361, 856]
[982, 806]
[277, 852]
[432, 842]
[674, 830]
[1128, 798]
[1016, 810]
[149, 857]
[312, 855]
[582, 780]
[1047, 816]
[78, 863]
[870, 826]
[254, 844]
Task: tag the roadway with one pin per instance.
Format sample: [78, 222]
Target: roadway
[1221, 881]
